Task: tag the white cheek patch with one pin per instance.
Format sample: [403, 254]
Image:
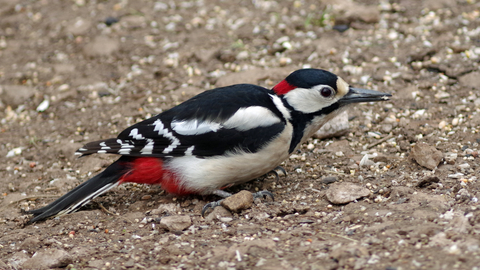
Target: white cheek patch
[308, 100]
[194, 127]
[251, 117]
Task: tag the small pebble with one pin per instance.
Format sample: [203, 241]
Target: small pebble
[146, 197]
[241, 200]
[329, 180]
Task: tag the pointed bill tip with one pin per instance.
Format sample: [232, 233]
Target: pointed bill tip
[357, 95]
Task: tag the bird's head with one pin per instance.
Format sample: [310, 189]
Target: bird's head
[312, 90]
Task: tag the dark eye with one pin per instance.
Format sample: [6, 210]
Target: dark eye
[326, 92]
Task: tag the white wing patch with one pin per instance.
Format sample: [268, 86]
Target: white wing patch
[104, 146]
[194, 127]
[251, 117]
[189, 150]
[159, 127]
[137, 136]
[78, 152]
[148, 148]
[125, 148]
[174, 142]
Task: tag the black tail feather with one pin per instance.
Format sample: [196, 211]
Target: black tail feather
[83, 193]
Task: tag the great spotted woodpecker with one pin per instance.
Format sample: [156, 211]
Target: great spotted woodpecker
[219, 138]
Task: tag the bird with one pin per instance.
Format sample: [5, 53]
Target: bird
[218, 138]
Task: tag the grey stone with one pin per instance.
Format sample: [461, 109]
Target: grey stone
[79, 27]
[167, 208]
[17, 259]
[48, 258]
[15, 95]
[217, 213]
[471, 80]
[30, 244]
[368, 14]
[101, 46]
[336, 127]
[64, 68]
[176, 223]
[329, 179]
[342, 193]
[241, 200]
[426, 155]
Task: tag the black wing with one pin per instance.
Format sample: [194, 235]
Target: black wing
[224, 120]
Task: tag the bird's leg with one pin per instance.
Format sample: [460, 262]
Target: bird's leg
[211, 205]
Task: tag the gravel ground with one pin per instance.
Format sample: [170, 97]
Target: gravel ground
[408, 169]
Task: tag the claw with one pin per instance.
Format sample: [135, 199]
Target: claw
[263, 195]
[279, 168]
[210, 205]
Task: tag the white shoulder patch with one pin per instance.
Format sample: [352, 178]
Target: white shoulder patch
[251, 117]
[194, 127]
[279, 104]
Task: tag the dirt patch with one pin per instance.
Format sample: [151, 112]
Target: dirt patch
[77, 71]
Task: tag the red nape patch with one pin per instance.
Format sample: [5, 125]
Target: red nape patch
[149, 170]
[283, 87]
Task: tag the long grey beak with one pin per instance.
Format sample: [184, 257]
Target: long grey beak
[357, 95]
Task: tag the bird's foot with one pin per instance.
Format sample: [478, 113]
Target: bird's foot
[210, 205]
[263, 195]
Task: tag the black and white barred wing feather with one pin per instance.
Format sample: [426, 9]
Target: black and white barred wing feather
[216, 122]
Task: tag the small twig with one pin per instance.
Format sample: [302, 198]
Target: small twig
[380, 141]
[32, 198]
[338, 235]
[113, 214]
[105, 210]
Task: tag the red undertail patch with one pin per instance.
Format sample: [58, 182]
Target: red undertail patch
[149, 170]
[283, 87]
